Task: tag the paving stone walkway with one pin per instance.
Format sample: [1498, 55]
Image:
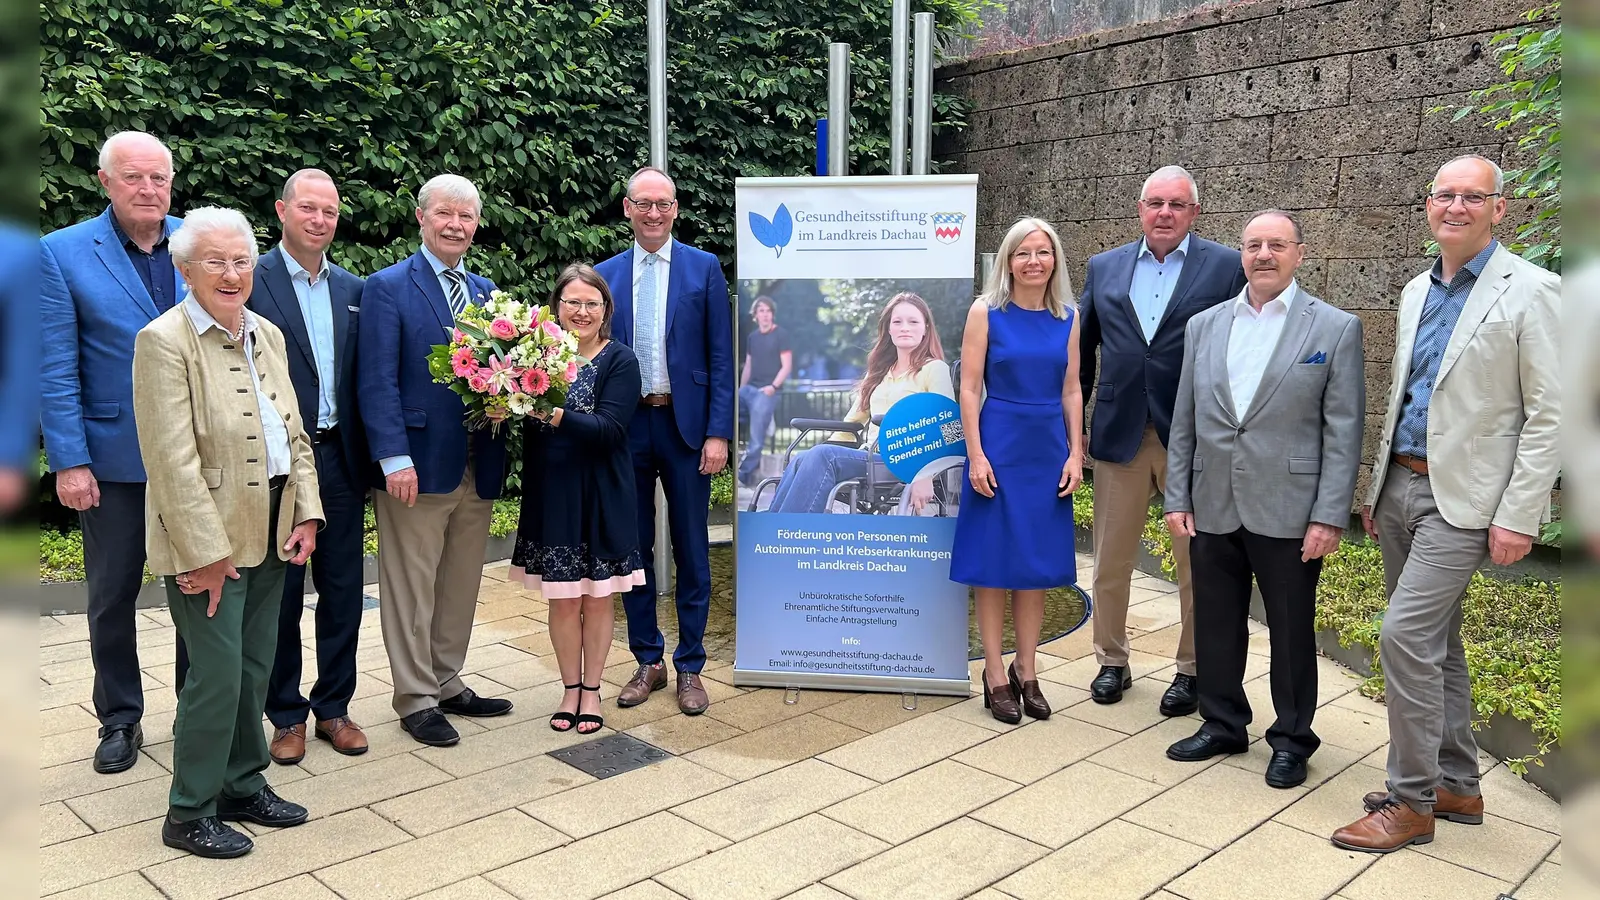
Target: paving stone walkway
[837, 795]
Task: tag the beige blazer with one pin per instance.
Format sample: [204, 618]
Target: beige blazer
[1493, 443]
[200, 434]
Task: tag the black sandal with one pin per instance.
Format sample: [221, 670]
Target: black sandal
[586, 718]
[569, 719]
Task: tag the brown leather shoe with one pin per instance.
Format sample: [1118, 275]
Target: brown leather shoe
[1450, 807]
[1386, 829]
[345, 735]
[289, 745]
[692, 697]
[645, 680]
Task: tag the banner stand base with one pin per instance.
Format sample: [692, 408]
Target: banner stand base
[889, 684]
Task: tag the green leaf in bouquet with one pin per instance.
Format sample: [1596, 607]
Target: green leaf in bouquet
[472, 331]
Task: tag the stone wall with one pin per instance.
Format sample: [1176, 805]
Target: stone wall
[1318, 107]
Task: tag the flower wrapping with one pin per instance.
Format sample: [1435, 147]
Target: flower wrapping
[507, 360]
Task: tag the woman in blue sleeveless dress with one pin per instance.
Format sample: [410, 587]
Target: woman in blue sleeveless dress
[1024, 457]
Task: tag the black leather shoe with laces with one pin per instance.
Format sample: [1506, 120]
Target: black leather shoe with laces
[1107, 687]
[1181, 699]
[206, 837]
[263, 808]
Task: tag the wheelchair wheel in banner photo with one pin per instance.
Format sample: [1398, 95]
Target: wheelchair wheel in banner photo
[1066, 609]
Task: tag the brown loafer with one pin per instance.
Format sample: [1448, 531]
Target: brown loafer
[345, 735]
[645, 680]
[692, 697]
[1386, 829]
[289, 745]
[1456, 808]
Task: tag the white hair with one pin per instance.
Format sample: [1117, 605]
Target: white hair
[204, 221]
[1057, 292]
[1171, 172]
[115, 143]
[448, 187]
[1499, 176]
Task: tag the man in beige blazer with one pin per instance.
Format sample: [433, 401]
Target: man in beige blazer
[1468, 455]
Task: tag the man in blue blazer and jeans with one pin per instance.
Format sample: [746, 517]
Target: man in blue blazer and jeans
[673, 310]
[1137, 300]
[101, 281]
[439, 480]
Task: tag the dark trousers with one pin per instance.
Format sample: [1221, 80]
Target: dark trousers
[113, 564]
[659, 452]
[1223, 566]
[336, 572]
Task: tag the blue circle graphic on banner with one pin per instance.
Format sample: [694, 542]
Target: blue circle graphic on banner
[919, 431]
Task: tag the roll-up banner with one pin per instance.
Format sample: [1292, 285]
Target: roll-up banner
[853, 294]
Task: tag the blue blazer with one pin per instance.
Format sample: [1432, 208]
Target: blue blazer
[1138, 379]
[91, 305]
[699, 337]
[274, 299]
[403, 315]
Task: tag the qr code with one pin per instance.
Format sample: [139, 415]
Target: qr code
[952, 432]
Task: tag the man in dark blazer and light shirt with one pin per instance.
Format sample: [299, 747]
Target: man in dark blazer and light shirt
[1137, 299]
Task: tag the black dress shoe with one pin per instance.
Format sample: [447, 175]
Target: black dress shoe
[1202, 746]
[206, 837]
[263, 808]
[467, 703]
[1286, 770]
[430, 727]
[1107, 687]
[1181, 699]
[119, 749]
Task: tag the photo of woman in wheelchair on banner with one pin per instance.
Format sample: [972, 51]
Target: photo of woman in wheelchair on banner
[846, 472]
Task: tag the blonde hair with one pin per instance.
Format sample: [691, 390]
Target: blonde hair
[1057, 291]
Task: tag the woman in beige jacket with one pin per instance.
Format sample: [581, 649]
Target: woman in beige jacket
[232, 494]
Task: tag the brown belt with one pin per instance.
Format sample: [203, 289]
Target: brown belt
[1414, 463]
[656, 400]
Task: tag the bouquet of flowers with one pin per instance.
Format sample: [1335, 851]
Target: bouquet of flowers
[507, 359]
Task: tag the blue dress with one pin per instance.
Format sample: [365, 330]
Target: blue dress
[1020, 539]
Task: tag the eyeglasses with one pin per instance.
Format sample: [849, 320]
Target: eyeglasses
[592, 306]
[219, 266]
[658, 205]
[1448, 198]
[1251, 248]
[1023, 256]
[1176, 206]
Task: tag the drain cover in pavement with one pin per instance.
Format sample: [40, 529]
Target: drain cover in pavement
[610, 755]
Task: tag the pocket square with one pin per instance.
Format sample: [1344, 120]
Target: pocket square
[1315, 358]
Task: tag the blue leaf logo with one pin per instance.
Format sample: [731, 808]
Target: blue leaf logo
[775, 233]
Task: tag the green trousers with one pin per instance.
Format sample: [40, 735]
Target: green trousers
[220, 748]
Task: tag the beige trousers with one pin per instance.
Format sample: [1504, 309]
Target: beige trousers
[430, 562]
[1122, 493]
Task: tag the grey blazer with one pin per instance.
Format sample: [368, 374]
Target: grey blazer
[1292, 459]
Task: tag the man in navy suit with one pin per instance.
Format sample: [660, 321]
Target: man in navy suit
[315, 303]
[102, 280]
[673, 310]
[439, 480]
[1136, 302]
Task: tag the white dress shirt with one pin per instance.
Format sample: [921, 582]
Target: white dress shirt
[653, 382]
[1251, 340]
[316, 307]
[1153, 284]
[274, 433]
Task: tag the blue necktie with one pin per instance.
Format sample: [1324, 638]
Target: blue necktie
[644, 304]
[458, 292]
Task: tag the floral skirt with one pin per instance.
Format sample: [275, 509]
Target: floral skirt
[562, 573]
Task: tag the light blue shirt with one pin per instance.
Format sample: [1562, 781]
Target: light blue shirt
[274, 432]
[316, 306]
[1153, 283]
[393, 464]
[654, 332]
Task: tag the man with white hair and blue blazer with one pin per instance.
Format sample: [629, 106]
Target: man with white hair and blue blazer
[102, 280]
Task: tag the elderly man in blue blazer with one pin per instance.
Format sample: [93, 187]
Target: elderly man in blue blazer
[439, 480]
[102, 280]
[316, 304]
[673, 310]
[1137, 300]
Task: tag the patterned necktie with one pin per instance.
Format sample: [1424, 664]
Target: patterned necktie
[644, 327]
[458, 292]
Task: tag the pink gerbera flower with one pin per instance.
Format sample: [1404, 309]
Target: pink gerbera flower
[535, 382]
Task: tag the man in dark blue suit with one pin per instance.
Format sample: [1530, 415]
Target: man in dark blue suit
[673, 310]
[316, 304]
[1136, 302]
[439, 480]
[101, 281]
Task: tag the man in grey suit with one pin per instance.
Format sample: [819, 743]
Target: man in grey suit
[1261, 472]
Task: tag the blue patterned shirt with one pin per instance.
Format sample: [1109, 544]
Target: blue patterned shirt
[1440, 312]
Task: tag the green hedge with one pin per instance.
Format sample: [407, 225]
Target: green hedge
[543, 104]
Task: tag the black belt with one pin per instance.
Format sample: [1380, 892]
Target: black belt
[325, 435]
[276, 482]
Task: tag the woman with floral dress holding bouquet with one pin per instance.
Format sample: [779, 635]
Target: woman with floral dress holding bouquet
[577, 542]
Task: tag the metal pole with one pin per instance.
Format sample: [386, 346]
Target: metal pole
[922, 96]
[838, 109]
[899, 37]
[656, 41]
[986, 263]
